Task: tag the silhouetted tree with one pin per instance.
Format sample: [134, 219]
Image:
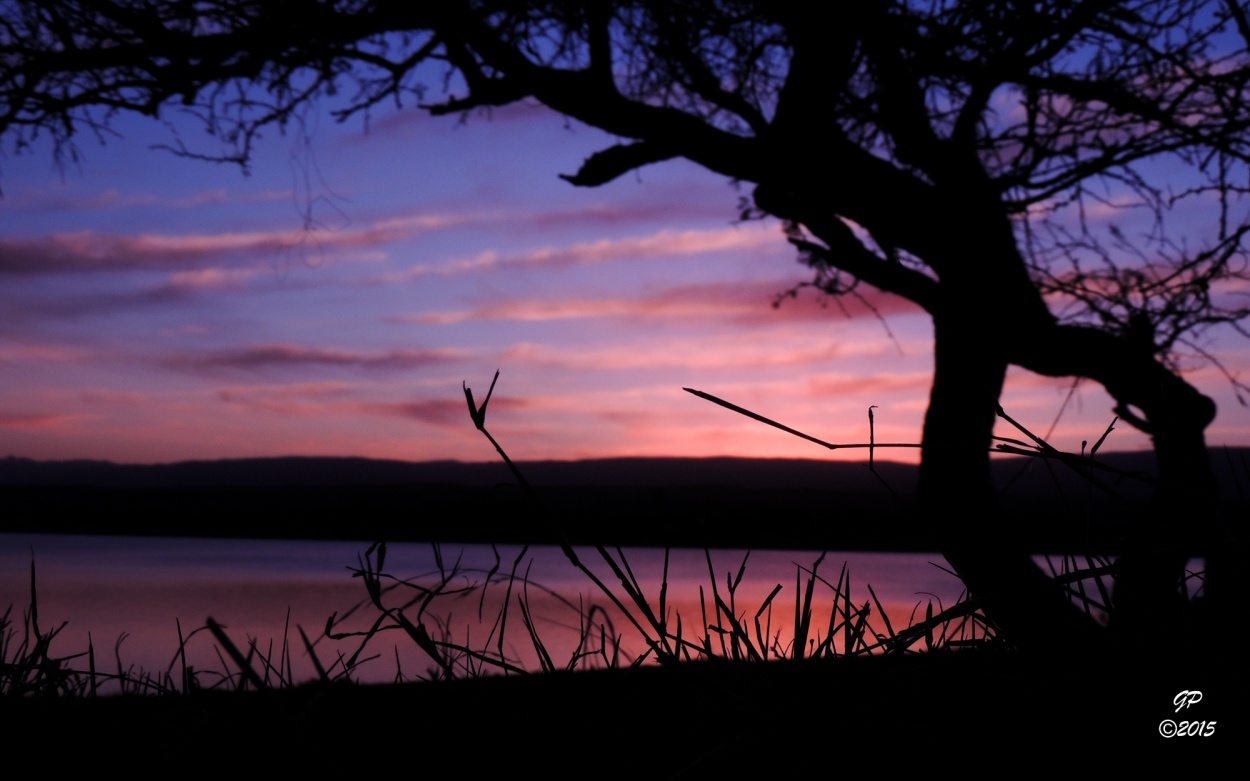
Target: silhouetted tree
[945, 151]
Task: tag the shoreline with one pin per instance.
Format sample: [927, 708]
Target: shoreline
[807, 504]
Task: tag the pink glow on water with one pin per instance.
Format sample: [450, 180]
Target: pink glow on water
[130, 594]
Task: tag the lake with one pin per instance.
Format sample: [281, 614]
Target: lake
[128, 595]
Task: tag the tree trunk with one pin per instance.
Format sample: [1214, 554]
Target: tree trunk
[972, 352]
[1185, 518]
[957, 494]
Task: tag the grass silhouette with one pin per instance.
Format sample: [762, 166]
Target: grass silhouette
[743, 672]
[830, 624]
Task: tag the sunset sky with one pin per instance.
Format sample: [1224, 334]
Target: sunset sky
[156, 309]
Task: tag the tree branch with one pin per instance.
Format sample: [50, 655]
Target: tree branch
[606, 165]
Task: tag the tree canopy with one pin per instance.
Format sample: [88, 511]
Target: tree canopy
[945, 151]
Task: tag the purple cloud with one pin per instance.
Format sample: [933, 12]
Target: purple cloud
[292, 355]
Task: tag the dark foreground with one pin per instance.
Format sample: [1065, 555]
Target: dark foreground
[691, 721]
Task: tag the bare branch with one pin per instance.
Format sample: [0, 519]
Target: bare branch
[602, 167]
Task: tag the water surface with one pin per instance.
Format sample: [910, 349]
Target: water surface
[127, 596]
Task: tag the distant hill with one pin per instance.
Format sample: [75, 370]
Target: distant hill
[736, 502]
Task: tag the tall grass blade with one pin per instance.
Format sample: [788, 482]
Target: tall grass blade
[322, 675]
[245, 667]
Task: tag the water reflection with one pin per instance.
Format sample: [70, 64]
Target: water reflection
[129, 595]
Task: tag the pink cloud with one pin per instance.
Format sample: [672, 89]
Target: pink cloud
[110, 396]
[279, 405]
[665, 243]
[448, 413]
[661, 209]
[312, 399]
[225, 196]
[88, 301]
[86, 251]
[209, 279]
[687, 355]
[323, 400]
[437, 412]
[912, 384]
[564, 309]
[45, 200]
[35, 422]
[748, 304]
[41, 353]
[293, 390]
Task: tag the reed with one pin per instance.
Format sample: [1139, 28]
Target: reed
[27, 664]
[29, 668]
[727, 633]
